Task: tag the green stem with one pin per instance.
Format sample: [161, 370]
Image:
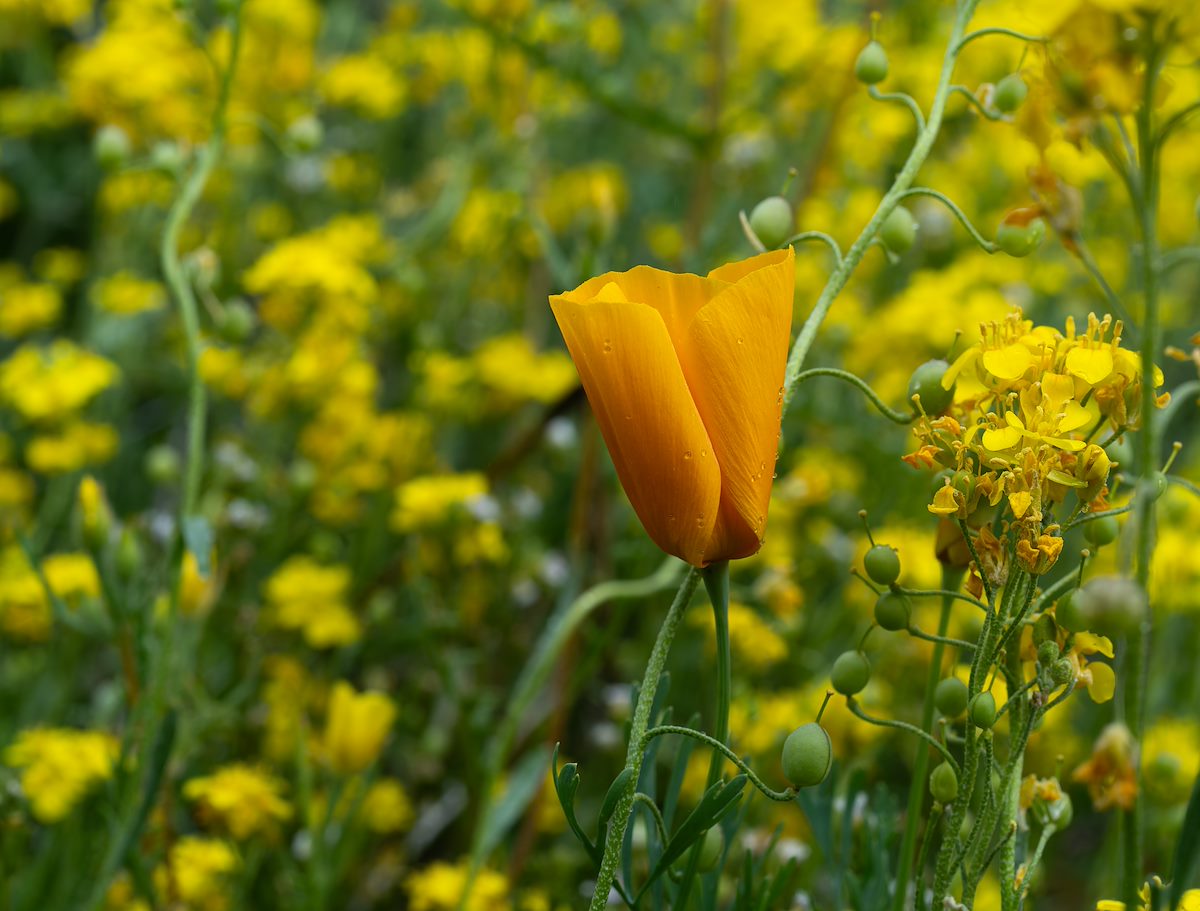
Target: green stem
[716, 581]
[1138, 663]
[916, 787]
[856, 709]
[986, 245]
[900, 417]
[784, 796]
[920, 151]
[635, 754]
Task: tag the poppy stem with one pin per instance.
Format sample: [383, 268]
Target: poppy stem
[635, 754]
[716, 581]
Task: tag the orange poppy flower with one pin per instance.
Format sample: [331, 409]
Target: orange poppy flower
[685, 376]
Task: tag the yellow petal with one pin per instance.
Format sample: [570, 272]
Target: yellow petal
[1103, 683]
[1064, 443]
[1060, 477]
[734, 364]
[1089, 364]
[658, 443]
[961, 362]
[1074, 416]
[1020, 501]
[1009, 362]
[1001, 438]
[1057, 389]
[1089, 644]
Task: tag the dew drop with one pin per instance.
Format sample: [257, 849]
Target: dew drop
[741, 341]
[608, 346]
[704, 453]
[687, 454]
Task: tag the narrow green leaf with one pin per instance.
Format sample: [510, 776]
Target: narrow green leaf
[1187, 849]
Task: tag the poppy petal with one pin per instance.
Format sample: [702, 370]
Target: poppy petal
[735, 365]
[662, 453]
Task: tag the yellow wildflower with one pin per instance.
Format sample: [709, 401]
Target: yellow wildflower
[386, 808]
[197, 873]
[50, 382]
[27, 308]
[241, 799]
[125, 294]
[439, 886]
[356, 726]
[59, 766]
[305, 596]
[431, 500]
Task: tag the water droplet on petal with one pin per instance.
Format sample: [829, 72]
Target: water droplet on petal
[687, 454]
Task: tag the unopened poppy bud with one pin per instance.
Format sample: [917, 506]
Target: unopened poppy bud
[850, 674]
[168, 156]
[943, 783]
[982, 710]
[237, 321]
[1111, 605]
[892, 611]
[926, 382]
[772, 221]
[1010, 93]
[899, 230]
[882, 564]
[162, 465]
[871, 66]
[807, 755]
[1068, 615]
[711, 849]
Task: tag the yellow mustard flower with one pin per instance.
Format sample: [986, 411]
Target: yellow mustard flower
[72, 576]
[54, 381]
[27, 308]
[126, 294]
[386, 807]
[439, 886]
[59, 766]
[365, 83]
[198, 873]
[431, 500]
[356, 727]
[1111, 772]
[241, 799]
[305, 596]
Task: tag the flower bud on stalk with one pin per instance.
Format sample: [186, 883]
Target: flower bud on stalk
[807, 755]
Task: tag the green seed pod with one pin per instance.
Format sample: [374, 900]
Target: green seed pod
[872, 64]
[982, 710]
[1020, 240]
[892, 611]
[950, 697]
[711, 849]
[899, 230]
[1047, 653]
[129, 555]
[1045, 629]
[1063, 672]
[882, 564]
[1111, 605]
[111, 147]
[1099, 532]
[807, 755]
[943, 783]
[850, 673]
[1159, 479]
[1010, 93]
[926, 382]
[772, 221]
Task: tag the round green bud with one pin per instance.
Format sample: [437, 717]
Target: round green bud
[943, 783]
[850, 673]
[1063, 672]
[1020, 240]
[302, 476]
[892, 611]
[872, 64]
[807, 755]
[1111, 605]
[882, 564]
[772, 221]
[111, 147]
[1010, 93]
[899, 230]
[950, 697]
[1047, 653]
[926, 382]
[711, 849]
[162, 465]
[982, 710]
[306, 133]
[237, 321]
[1159, 480]
[1068, 615]
[1099, 532]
